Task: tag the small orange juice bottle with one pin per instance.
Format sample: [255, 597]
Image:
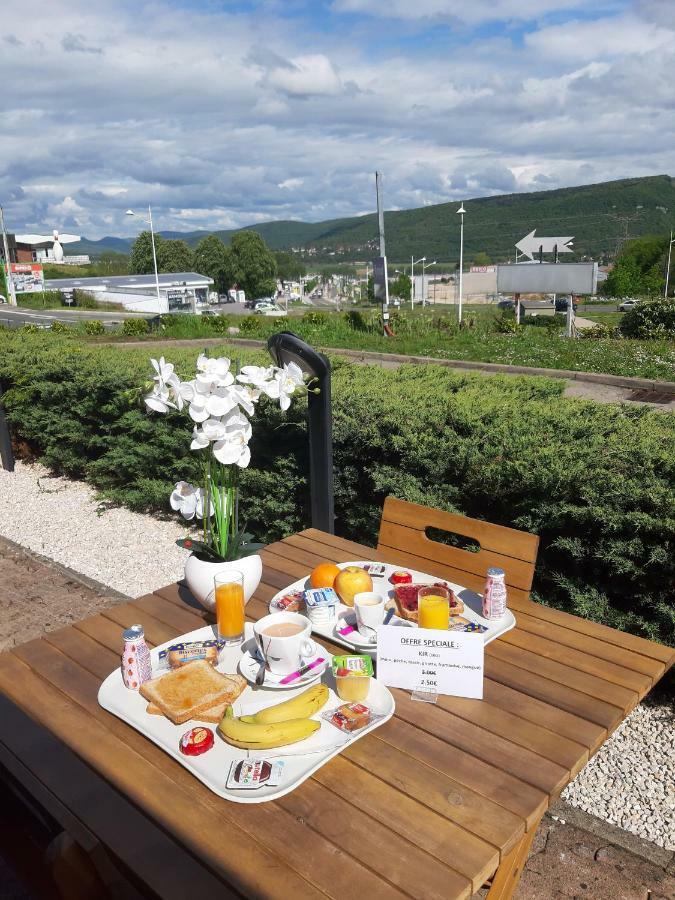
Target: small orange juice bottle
[229, 593]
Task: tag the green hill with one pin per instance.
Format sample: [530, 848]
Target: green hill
[599, 216]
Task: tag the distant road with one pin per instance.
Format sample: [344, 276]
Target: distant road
[16, 316]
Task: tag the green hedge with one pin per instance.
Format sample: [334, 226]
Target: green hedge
[651, 319]
[596, 482]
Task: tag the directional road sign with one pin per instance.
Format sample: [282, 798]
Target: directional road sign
[531, 244]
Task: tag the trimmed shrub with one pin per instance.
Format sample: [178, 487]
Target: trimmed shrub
[58, 327]
[93, 326]
[315, 318]
[650, 319]
[595, 482]
[135, 327]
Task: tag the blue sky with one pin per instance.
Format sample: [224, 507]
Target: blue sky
[220, 114]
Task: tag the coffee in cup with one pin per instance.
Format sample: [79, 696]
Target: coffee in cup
[369, 609]
[283, 641]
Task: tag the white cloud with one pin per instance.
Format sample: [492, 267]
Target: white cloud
[220, 119]
[305, 76]
[457, 10]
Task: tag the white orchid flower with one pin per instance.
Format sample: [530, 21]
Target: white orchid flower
[166, 393]
[208, 399]
[233, 447]
[184, 499]
[211, 430]
[245, 396]
[284, 384]
[214, 372]
[189, 501]
[256, 375]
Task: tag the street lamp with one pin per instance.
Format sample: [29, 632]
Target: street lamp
[148, 221]
[425, 265]
[670, 247]
[460, 212]
[413, 263]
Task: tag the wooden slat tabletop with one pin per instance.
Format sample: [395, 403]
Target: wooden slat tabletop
[428, 805]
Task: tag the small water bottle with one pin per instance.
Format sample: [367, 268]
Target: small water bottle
[494, 595]
[136, 665]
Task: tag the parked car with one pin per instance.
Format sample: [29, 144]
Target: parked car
[226, 298]
[206, 312]
[628, 303]
[506, 304]
[561, 303]
[269, 309]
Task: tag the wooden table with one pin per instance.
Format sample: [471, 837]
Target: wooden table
[435, 803]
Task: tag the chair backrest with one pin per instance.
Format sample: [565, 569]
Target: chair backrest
[404, 539]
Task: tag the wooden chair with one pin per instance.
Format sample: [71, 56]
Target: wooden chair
[403, 537]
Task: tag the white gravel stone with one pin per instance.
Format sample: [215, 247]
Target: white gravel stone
[630, 782]
[62, 519]
[637, 765]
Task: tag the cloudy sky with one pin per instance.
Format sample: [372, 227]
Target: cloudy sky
[221, 113]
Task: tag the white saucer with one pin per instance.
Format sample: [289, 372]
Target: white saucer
[249, 666]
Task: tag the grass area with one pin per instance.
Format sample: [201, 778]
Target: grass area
[54, 300]
[531, 345]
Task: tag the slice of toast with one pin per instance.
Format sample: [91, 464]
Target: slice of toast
[212, 714]
[194, 688]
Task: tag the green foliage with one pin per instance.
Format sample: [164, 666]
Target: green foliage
[108, 263]
[59, 327]
[40, 300]
[401, 287]
[289, 267]
[135, 327]
[315, 317]
[594, 481]
[174, 256]
[252, 324]
[140, 258]
[212, 258]
[481, 259]
[599, 332]
[84, 299]
[639, 269]
[93, 326]
[654, 319]
[253, 266]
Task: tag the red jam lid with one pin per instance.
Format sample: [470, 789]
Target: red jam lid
[196, 741]
[400, 577]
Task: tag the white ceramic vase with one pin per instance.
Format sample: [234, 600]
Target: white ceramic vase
[199, 576]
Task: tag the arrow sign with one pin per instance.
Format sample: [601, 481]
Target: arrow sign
[530, 244]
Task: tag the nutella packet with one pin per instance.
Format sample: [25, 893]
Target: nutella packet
[375, 570]
[250, 774]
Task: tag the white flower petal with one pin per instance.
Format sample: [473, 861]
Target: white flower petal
[226, 452]
[245, 457]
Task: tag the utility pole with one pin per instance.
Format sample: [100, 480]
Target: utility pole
[383, 252]
[8, 263]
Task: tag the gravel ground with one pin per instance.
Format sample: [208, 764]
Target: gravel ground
[629, 783]
[132, 553]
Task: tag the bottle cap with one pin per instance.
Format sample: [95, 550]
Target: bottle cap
[494, 572]
[134, 633]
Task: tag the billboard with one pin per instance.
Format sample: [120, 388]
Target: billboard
[27, 277]
[380, 285]
[482, 270]
[548, 278]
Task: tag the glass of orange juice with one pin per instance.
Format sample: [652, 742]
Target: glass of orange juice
[230, 606]
[433, 603]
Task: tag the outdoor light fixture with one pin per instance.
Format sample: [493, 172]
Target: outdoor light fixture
[286, 347]
[148, 221]
[6, 455]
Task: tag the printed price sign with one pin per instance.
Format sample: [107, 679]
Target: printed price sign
[427, 660]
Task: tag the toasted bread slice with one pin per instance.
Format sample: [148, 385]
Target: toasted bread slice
[194, 688]
[212, 714]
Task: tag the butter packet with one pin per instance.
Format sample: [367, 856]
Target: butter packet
[459, 623]
[317, 598]
[250, 774]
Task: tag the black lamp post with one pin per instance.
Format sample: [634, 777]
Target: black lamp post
[286, 347]
[6, 455]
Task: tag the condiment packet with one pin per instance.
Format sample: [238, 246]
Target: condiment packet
[293, 601]
[317, 598]
[351, 717]
[180, 654]
[375, 570]
[354, 664]
[459, 623]
[250, 774]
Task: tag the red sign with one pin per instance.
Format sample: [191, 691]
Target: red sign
[27, 277]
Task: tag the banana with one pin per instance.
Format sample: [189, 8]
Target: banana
[264, 737]
[301, 707]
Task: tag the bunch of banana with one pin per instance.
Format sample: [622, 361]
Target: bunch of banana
[276, 726]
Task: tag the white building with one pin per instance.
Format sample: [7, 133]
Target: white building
[178, 291]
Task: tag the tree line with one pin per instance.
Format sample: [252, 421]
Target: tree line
[247, 262]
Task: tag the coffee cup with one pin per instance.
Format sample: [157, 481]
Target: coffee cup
[283, 641]
[369, 609]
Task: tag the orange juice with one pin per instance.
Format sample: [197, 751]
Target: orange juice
[230, 610]
[434, 611]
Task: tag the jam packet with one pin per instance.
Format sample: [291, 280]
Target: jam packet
[250, 774]
[351, 717]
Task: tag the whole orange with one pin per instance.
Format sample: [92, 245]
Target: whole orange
[324, 575]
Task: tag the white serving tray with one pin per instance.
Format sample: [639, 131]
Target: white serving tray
[473, 608]
[212, 768]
